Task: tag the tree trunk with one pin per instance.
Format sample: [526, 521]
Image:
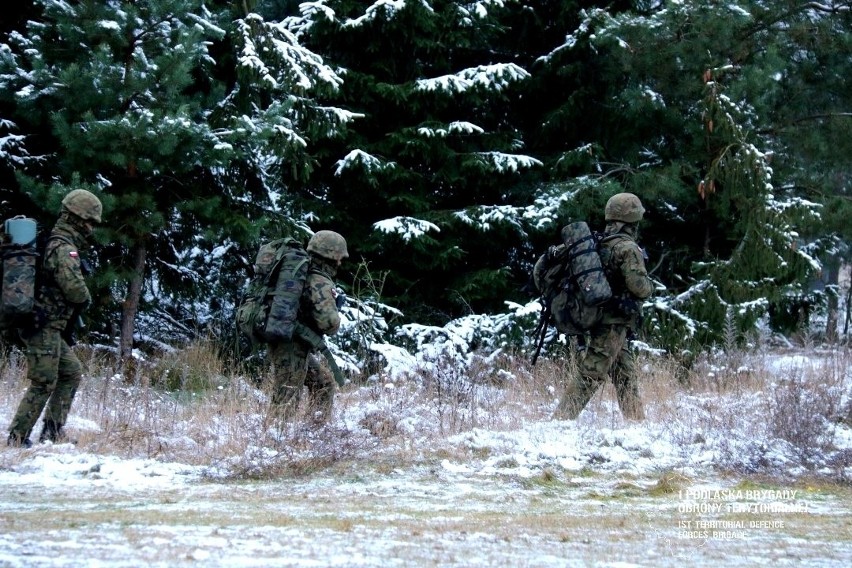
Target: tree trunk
[832, 297]
[848, 317]
[131, 302]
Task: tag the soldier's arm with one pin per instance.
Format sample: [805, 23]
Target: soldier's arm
[635, 274]
[64, 261]
[324, 306]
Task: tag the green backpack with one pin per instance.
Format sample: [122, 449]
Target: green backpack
[572, 281]
[20, 266]
[270, 307]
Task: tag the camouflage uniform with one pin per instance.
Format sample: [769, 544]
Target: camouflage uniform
[293, 364]
[53, 370]
[607, 346]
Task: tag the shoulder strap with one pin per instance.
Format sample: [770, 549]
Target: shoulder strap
[272, 277]
[62, 238]
[617, 236]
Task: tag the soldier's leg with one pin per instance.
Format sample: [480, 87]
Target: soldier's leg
[578, 392]
[289, 365]
[321, 385]
[592, 370]
[624, 378]
[42, 371]
[59, 405]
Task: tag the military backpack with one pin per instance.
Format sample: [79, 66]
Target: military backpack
[572, 281]
[20, 260]
[270, 306]
[21, 256]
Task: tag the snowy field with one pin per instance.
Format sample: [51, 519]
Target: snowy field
[701, 482]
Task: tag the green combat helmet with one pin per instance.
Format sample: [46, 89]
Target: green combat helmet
[328, 244]
[83, 204]
[624, 207]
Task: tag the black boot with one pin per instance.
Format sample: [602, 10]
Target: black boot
[52, 432]
[16, 441]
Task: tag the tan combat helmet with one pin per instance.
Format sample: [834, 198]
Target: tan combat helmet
[328, 244]
[624, 207]
[83, 204]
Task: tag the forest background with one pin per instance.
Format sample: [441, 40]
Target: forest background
[448, 142]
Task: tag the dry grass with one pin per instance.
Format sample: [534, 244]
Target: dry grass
[417, 520]
[191, 408]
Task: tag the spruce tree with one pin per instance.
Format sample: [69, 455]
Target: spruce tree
[180, 122]
[434, 144]
[677, 118]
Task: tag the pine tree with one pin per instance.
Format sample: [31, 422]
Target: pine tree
[184, 148]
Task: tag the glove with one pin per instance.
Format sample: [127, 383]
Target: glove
[340, 299]
[85, 267]
[629, 306]
[75, 322]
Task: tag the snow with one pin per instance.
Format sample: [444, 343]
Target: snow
[359, 158]
[407, 228]
[457, 127]
[539, 493]
[385, 9]
[496, 76]
[71, 469]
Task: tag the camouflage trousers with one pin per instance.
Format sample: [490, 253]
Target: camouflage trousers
[607, 355]
[54, 373]
[293, 367]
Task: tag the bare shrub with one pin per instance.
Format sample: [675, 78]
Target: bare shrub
[194, 369]
[451, 393]
[803, 408]
[13, 363]
[190, 407]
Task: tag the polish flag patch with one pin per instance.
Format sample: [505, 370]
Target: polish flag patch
[73, 254]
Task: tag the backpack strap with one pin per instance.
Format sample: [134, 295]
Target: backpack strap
[276, 268]
[572, 254]
[272, 276]
[617, 236]
[61, 238]
[615, 282]
[574, 251]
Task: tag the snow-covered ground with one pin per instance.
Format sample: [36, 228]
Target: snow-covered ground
[689, 486]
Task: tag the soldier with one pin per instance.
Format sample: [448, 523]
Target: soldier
[52, 367]
[293, 362]
[607, 345]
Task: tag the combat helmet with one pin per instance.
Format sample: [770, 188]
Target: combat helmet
[84, 204]
[328, 244]
[624, 207]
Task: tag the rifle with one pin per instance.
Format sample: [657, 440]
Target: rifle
[316, 341]
[541, 329]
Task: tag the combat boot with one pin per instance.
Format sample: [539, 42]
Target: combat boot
[52, 432]
[16, 441]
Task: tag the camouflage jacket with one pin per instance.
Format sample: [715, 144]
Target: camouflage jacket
[319, 306]
[63, 288]
[624, 263]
